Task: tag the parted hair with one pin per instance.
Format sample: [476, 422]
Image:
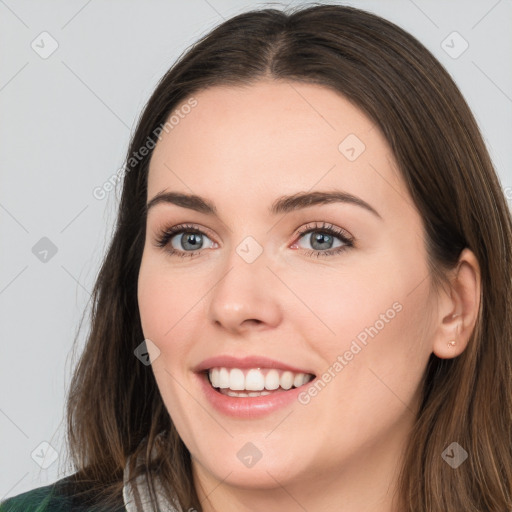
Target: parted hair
[113, 401]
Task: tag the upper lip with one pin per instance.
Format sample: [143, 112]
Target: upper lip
[225, 361]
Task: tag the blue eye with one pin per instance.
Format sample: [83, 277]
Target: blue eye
[322, 239]
[183, 240]
[188, 240]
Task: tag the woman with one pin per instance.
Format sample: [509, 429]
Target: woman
[231, 365]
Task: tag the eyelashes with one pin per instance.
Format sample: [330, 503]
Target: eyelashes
[332, 232]
[165, 236]
[165, 240]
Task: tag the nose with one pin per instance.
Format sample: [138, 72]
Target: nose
[245, 297]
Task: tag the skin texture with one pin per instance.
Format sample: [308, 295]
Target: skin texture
[242, 148]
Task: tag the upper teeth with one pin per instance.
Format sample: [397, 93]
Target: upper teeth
[256, 379]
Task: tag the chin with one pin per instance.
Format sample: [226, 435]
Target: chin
[253, 462]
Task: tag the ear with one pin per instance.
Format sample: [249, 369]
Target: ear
[458, 307]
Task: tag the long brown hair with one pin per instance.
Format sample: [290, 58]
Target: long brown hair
[114, 402]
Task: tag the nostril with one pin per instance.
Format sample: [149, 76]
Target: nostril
[253, 321]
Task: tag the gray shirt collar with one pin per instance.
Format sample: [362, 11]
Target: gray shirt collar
[140, 483]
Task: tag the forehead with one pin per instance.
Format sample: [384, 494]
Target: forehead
[273, 138]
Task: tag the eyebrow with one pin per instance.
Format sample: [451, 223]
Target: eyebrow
[284, 204]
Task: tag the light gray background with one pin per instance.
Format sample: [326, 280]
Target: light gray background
[64, 129]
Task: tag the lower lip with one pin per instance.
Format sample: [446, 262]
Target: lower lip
[251, 406]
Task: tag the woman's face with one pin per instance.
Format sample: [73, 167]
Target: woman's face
[262, 289]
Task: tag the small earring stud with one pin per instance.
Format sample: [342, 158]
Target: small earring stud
[451, 344]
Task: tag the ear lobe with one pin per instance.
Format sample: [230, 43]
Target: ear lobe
[454, 345]
[459, 312]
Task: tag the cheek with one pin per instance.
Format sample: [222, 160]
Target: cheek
[340, 305]
[172, 311]
[375, 317]
[167, 312]
[163, 299]
[385, 358]
[153, 305]
[374, 368]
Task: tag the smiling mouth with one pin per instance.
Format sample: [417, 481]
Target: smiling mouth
[253, 382]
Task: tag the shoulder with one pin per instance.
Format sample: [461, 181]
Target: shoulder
[42, 499]
[56, 497]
